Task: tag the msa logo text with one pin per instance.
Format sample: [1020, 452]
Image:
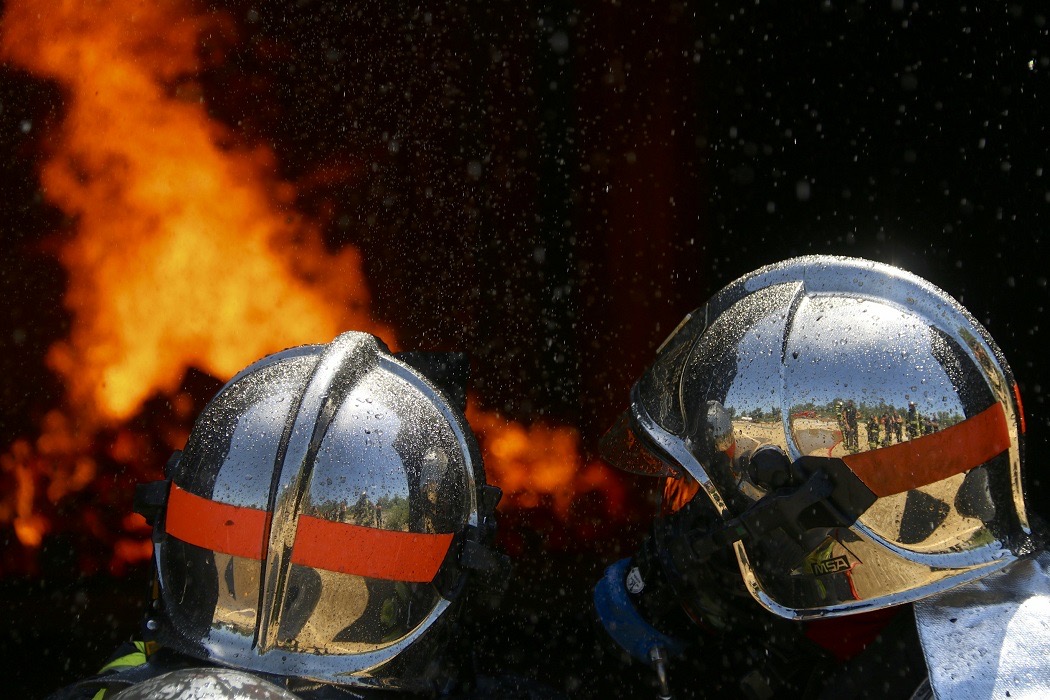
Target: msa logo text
[831, 566]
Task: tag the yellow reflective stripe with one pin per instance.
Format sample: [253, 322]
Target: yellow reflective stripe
[135, 658]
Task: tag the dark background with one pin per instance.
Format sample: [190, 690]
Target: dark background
[551, 187]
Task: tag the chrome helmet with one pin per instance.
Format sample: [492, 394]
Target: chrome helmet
[205, 684]
[856, 434]
[324, 519]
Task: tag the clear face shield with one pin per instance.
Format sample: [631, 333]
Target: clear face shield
[647, 438]
[853, 428]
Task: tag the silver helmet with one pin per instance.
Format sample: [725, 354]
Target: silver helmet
[856, 433]
[205, 684]
[324, 518]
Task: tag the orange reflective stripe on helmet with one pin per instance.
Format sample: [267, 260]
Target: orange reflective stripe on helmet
[319, 543]
[219, 527]
[366, 551]
[909, 465]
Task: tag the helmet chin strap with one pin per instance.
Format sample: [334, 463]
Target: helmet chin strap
[820, 492]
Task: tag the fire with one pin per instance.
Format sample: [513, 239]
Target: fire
[540, 465]
[181, 253]
[180, 257]
[186, 253]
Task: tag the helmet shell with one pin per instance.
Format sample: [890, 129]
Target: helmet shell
[315, 518]
[205, 684]
[864, 363]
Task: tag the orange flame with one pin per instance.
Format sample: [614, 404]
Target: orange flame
[181, 257]
[540, 465]
[186, 253]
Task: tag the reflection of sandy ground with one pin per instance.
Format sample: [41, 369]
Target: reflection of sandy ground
[885, 517]
[342, 600]
[812, 436]
[761, 432]
[238, 592]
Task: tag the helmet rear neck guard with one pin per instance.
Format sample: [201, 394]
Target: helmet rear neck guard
[322, 520]
[865, 366]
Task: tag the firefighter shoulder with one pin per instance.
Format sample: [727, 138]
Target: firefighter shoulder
[320, 534]
[792, 559]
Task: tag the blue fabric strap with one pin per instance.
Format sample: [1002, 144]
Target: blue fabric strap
[622, 620]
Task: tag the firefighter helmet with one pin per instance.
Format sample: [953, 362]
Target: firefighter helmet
[856, 433]
[323, 519]
[205, 684]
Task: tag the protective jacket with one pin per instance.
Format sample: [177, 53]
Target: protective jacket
[991, 638]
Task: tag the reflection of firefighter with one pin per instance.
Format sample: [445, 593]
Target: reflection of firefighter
[873, 432]
[361, 511]
[887, 429]
[913, 421]
[849, 416]
[898, 426]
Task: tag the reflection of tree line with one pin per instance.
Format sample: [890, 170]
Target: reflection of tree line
[388, 512]
[883, 424]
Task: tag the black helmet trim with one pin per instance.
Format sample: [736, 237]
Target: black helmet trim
[345, 548]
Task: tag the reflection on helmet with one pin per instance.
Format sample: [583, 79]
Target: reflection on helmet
[321, 519]
[856, 432]
[205, 684]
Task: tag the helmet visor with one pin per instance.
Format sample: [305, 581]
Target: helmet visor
[622, 447]
[639, 440]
